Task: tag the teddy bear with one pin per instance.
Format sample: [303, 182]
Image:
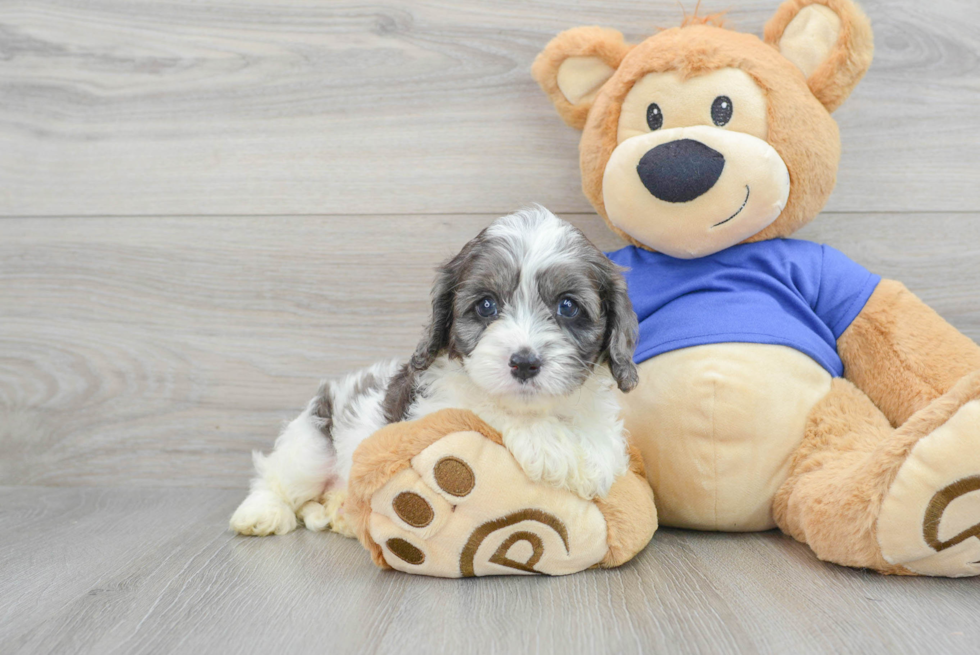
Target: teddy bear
[782, 385]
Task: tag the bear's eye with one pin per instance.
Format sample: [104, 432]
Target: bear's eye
[721, 110]
[655, 117]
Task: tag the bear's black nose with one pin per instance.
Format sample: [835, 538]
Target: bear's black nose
[680, 171]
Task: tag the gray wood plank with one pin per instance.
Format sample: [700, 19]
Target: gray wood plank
[258, 107]
[154, 571]
[162, 351]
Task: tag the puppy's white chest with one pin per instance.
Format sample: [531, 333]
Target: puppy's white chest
[581, 447]
[585, 461]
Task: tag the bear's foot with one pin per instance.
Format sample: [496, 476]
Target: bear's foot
[465, 508]
[930, 518]
[442, 496]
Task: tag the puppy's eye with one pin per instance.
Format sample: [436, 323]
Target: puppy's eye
[655, 117]
[567, 308]
[486, 307]
[721, 110]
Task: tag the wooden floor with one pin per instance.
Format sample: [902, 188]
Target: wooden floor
[207, 206]
[117, 570]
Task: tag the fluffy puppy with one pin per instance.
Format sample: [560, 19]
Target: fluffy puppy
[531, 329]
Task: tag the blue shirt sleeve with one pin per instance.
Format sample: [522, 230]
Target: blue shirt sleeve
[845, 287]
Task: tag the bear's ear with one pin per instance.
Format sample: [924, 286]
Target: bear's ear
[575, 65]
[829, 40]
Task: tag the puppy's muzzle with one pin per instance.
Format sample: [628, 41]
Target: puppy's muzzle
[524, 365]
[680, 171]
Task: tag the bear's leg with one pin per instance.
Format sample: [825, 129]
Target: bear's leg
[863, 494]
[828, 500]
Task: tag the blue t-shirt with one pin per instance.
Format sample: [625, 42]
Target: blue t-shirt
[784, 292]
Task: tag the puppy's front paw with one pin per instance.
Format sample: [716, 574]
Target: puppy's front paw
[263, 513]
[465, 508]
[328, 514]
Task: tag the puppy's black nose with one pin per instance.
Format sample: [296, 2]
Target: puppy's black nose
[680, 171]
[524, 365]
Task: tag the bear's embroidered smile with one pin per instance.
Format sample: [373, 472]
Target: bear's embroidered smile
[748, 192]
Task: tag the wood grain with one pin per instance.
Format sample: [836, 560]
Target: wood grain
[402, 106]
[161, 351]
[206, 206]
[154, 571]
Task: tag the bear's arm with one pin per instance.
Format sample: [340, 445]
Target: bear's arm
[902, 354]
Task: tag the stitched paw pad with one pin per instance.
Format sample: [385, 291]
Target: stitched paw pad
[930, 519]
[465, 508]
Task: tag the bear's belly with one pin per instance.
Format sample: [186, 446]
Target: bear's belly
[717, 426]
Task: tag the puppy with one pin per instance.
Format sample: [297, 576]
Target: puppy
[531, 329]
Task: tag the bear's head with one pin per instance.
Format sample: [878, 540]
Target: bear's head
[700, 137]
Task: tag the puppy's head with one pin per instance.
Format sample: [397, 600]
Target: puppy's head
[531, 307]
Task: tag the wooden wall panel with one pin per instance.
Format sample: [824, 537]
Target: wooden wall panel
[402, 106]
[160, 351]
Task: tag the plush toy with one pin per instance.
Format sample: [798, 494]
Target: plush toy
[446, 498]
[781, 384]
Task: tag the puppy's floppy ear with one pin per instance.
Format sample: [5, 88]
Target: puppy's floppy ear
[436, 338]
[437, 335]
[622, 328]
[574, 66]
[829, 40]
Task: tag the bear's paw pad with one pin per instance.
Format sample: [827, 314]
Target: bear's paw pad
[465, 508]
[930, 519]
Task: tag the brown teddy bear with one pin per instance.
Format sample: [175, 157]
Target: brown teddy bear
[781, 384]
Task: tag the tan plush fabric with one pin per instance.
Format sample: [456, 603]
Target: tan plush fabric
[388, 452]
[605, 44]
[569, 533]
[580, 78]
[903, 354]
[442, 496]
[833, 80]
[810, 37]
[631, 516]
[754, 184]
[753, 188]
[930, 519]
[848, 462]
[717, 426]
[686, 101]
[831, 497]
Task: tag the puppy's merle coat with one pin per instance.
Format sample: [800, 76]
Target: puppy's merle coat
[531, 329]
